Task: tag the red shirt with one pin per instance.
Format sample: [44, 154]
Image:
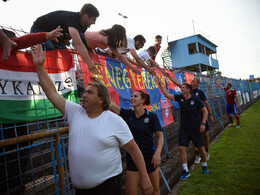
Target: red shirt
[157, 48]
[230, 96]
[29, 40]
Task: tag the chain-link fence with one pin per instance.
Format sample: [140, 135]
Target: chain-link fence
[33, 155]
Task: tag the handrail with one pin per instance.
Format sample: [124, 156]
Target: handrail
[31, 137]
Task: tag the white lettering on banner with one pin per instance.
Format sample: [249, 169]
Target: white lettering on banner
[11, 88]
[26, 86]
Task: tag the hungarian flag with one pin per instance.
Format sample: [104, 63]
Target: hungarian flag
[21, 96]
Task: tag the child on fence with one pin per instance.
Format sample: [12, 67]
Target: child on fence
[157, 45]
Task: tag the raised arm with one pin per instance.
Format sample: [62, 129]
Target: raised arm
[115, 108]
[46, 83]
[54, 34]
[7, 45]
[82, 50]
[220, 86]
[141, 63]
[134, 151]
[32, 39]
[165, 92]
[172, 79]
[124, 60]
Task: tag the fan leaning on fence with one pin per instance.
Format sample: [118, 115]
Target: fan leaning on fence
[94, 153]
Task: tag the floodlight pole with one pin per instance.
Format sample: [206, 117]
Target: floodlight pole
[124, 17]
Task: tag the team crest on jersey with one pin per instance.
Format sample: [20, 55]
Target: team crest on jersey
[197, 93]
[146, 120]
[192, 102]
[182, 100]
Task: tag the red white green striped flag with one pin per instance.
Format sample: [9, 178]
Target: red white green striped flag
[21, 97]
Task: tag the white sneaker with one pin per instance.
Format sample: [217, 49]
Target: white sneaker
[197, 159]
[208, 156]
[231, 124]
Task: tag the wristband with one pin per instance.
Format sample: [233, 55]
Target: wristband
[203, 123]
[210, 114]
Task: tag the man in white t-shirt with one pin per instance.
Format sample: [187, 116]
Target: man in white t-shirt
[132, 45]
[147, 54]
[95, 137]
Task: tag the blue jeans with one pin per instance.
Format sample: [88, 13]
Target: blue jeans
[49, 45]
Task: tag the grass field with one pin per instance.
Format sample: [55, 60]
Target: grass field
[235, 161]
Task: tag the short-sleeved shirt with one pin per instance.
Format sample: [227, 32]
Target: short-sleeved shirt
[190, 111]
[199, 94]
[130, 45]
[94, 145]
[64, 19]
[230, 96]
[142, 129]
[157, 49]
[144, 55]
[123, 50]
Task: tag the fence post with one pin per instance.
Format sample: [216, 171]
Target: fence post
[54, 168]
[165, 143]
[65, 166]
[60, 167]
[165, 181]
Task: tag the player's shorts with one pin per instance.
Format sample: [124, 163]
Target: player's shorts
[231, 109]
[130, 165]
[185, 136]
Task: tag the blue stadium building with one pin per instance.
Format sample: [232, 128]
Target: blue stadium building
[194, 53]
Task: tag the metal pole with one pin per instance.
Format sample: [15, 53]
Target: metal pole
[59, 163]
[165, 142]
[124, 17]
[31, 137]
[165, 181]
[54, 169]
[193, 27]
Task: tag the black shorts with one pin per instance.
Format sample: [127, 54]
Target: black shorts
[130, 166]
[111, 186]
[185, 136]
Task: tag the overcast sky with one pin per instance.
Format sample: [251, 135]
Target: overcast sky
[233, 25]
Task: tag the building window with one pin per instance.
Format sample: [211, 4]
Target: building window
[201, 48]
[206, 51]
[192, 48]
